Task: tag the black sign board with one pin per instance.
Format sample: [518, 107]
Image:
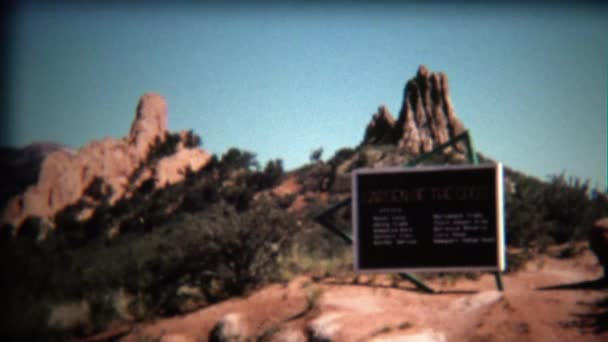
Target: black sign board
[447, 218]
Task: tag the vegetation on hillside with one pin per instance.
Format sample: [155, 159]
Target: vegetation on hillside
[558, 211]
[206, 234]
[221, 233]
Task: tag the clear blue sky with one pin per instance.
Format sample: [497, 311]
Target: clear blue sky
[530, 82]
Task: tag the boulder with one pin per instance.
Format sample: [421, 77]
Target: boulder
[325, 327]
[231, 327]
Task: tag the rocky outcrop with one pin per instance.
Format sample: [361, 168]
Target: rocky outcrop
[427, 118]
[150, 123]
[382, 129]
[120, 165]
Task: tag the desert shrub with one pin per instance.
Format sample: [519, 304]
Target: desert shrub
[568, 208]
[524, 212]
[235, 159]
[316, 177]
[318, 261]
[218, 249]
[284, 202]
[541, 213]
[245, 249]
[222, 251]
[238, 195]
[192, 140]
[341, 156]
[517, 259]
[315, 155]
[316, 249]
[30, 280]
[203, 195]
[272, 174]
[165, 146]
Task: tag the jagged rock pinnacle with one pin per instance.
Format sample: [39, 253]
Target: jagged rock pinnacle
[426, 119]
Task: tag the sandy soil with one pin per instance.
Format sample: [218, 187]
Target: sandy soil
[381, 308]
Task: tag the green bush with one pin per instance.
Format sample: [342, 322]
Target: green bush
[316, 155]
[341, 156]
[272, 174]
[219, 250]
[235, 159]
[165, 146]
[541, 213]
[568, 208]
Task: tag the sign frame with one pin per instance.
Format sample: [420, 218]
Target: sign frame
[498, 225]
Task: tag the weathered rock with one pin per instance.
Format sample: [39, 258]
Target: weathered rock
[150, 122]
[66, 177]
[231, 327]
[598, 242]
[175, 338]
[381, 130]
[428, 335]
[290, 336]
[172, 169]
[324, 328]
[426, 120]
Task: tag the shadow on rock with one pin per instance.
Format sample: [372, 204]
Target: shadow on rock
[598, 284]
[596, 320]
[411, 288]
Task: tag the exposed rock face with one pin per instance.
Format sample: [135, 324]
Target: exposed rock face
[150, 122]
[66, 175]
[426, 120]
[381, 130]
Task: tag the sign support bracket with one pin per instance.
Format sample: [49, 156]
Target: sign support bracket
[323, 217]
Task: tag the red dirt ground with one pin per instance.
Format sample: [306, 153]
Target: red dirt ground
[378, 308]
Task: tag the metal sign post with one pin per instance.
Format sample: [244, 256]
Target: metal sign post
[324, 217]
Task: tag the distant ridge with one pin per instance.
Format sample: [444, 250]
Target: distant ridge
[19, 167]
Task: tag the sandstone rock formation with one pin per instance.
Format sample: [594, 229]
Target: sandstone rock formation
[382, 128]
[426, 120]
[120, 165]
